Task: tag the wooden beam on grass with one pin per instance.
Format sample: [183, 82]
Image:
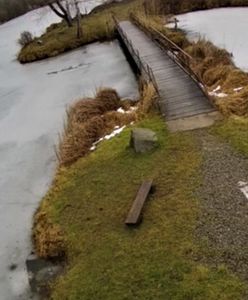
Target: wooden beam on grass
[134, 216]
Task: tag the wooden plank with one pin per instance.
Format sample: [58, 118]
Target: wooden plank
[181, 93]
[134, 215]
[174, 116]
[185, 99]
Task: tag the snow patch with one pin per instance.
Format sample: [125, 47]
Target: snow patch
[131, 109]
[238, 89]
[217, 92]
[217, 89]
[243, 188]
[116, 131]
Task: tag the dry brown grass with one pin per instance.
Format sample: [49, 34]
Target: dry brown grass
[157, 22]
[209, 62]
[85, 124]
[48, 237]
[235, 103]
[215, 68]
[148, 100]
[90, 119]
[81, 111]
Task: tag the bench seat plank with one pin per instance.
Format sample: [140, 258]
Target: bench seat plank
[134, 215]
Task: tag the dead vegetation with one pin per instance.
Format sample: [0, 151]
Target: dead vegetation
[47, 236]
[215, 67]
[86, 122]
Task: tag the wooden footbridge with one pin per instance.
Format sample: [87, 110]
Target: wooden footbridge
[167, 66]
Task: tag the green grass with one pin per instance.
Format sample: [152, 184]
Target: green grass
[98, 26]
[109, 261]
[235, 131]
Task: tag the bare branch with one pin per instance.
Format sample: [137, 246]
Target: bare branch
[57, 12]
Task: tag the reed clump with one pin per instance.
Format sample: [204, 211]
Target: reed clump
[86, 123]
[215, 67]
[90, 119]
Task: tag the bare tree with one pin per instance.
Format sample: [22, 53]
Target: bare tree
[68, 10]
[62, 11]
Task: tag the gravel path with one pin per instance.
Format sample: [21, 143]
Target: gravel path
[223, 222]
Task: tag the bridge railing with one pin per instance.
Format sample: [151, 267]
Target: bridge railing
[144, 68]
[177, 54]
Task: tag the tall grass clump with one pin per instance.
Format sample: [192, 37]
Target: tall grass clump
[86, 124]
[90, 119]
[215, 67]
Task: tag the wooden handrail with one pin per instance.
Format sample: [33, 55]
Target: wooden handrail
[173, 46]
[182, 58]
[177, 54]
[172, 43]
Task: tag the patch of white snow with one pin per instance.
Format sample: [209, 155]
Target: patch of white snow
[116, 131]
[131, 109]
[217, 92]
[243, 188]
[238, 89]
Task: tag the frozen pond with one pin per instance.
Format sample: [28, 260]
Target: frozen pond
[225, 27]
[33, 99]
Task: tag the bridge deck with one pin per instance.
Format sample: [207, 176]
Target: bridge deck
[180, 96]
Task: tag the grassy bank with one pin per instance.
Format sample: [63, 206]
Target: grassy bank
[235, 132]
[106, 260]
[59, 38]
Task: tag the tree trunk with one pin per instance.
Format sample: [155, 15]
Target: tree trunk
[68, 11]
[61, 12]
[78, 16]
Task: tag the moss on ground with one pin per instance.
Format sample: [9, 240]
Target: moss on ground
[235, 131]
[106, 260]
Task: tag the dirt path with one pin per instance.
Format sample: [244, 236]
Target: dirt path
[223, 223]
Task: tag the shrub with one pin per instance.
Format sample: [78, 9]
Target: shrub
[26, 38]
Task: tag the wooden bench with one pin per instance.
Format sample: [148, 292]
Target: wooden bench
[134, 215]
